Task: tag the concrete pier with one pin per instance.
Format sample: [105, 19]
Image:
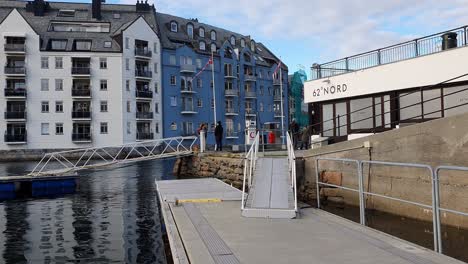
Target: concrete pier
[204, 225]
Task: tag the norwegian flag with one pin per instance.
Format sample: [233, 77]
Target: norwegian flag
[210, 61]
[275, 73]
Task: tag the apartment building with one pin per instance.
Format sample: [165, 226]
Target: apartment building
[240, 89]
[78, 74]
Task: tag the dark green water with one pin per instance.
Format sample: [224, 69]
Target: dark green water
[112, 218]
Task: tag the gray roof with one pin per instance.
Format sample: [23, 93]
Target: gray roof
[83, 13]
[172, 40]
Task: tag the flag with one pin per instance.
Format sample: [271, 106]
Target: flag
[210, 61]
[276, 70]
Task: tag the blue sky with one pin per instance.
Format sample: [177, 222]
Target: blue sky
[306, 31]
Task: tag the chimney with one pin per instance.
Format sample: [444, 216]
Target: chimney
[143, 6]
[38, 7]
[96, 8]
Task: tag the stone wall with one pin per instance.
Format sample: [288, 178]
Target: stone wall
[438, 142]
[227, 167]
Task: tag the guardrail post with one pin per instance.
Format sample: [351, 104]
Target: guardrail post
[317, 182]
[464, 35]
[436, 211]
[362, 203]
[416, 48]
[347, 64]
[378, 57]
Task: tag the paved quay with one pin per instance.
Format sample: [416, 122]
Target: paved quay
[206, 226]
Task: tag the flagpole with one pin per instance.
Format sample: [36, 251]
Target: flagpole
[282, 113]
[214, 90]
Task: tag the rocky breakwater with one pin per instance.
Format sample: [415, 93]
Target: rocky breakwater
[228, 167]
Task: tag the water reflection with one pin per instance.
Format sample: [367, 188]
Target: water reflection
[112, 218]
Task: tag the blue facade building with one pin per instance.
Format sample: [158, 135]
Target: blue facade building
[244, 86]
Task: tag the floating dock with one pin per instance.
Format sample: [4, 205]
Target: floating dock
[204, 225]
[12, 187]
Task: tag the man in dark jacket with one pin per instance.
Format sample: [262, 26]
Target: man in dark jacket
[219, 136]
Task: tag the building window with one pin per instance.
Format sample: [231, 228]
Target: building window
[127, 43]
[262, 89]
[44, 62]
[174, 26]
[243, 43]
[58, 63]
[156, 108]
[103, 85]
[127, 85]
[45, 107]
[213, 35]
[58, 85]
[157, 128]
[172, 60]
[201, 32]
[156, 66]
[233, 40]
[127, 64]
[83, 45]
[156, 88]
[173, 80]
[261, 107]
[44, 84]
[260, 74]
[129, 107]
[198, 62]
[252, 46]
[107, 44]
[104, 128]
[199, 83]
[202, 45]
[173, 126]
[58, 128]
[212, 103]
[44, 128]
[116, 16]
[173, 101]
[199, 103]
[190, 30]
[103, 106]
[129, 128]
[58, 44]
[59, 107]
[103, 63]
[155, 47]
[213, 47]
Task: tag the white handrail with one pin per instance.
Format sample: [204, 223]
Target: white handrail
[292, 168]
[250, 161]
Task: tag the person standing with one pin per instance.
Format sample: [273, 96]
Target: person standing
[219, 136]
[294, 128]
[305, 138]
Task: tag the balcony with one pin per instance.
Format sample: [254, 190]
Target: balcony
[250, 78]
[143, 53]
[278, 114]
[229, 75]
[81, 92]
[232, 134]
[187, 68]
[144, 94]
[17, 93]
[144, 115]
[250, 95]
[82, 71]
[187, 90]
[15, 48]
[277, 98]
[231, 93]
[276, 82]
[188, 110]
[231, 112]
[145, 136]
[15, 138]
[250, 112]
[15, 70]
[145, 74]
[81, 137]
[15, 115]
[81, 114]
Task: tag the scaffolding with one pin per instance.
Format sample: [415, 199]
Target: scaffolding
[297, 98]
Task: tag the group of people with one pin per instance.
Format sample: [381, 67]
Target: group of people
[218, 134]
[297, 133]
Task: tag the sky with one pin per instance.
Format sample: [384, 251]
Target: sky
[303, 32]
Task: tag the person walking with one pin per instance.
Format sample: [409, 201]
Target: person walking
[305, 138]
[219, 136]
[294, 130]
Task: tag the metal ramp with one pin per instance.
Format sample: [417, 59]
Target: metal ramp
[271, 184]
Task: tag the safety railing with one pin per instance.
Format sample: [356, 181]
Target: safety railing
[250, 161]
[292, 168]
[57, 163]
[434, 176]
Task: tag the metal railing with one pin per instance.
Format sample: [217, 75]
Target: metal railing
[143, 52]
[86, 158]
[250, 161]
[15, 92]
[292, 168]
[402, 51]
[143, 93]
[15, 47]
[76, 92]
[144, 73]
[15, 70]
[434, 176]
[81, 70]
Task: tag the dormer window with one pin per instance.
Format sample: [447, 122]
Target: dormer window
[213, 47]
[66, 13]
[201, 32]
[82, 45]
[58, 44]
[190, 30]
[213, 35]
[252, 46]
[233, 40]
[243, 43]
[202, 45]
[174, 26]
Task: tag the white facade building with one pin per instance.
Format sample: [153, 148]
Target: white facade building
[78, 75]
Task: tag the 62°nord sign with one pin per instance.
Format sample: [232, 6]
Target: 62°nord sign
[334, 89]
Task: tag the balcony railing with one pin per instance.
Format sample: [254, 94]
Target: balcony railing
[81, 114]
[277, 97]
[81, 137]
[145, 136]
[15, 138]
[143, 73]
[15, 47]
[144, 115]
[143, 94]
[143, 52]
[15, 115]
[188, 68]
[229, 75]
[188, 109]
[15, 70]
[407, 50]
[250, 112]
[231, 111]
[81, 92]
[187, 90]
[231, 93]
[81, 70]
[15, 92]
[278, 114]
[250, 78]
[250, 94]
[276, 82]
